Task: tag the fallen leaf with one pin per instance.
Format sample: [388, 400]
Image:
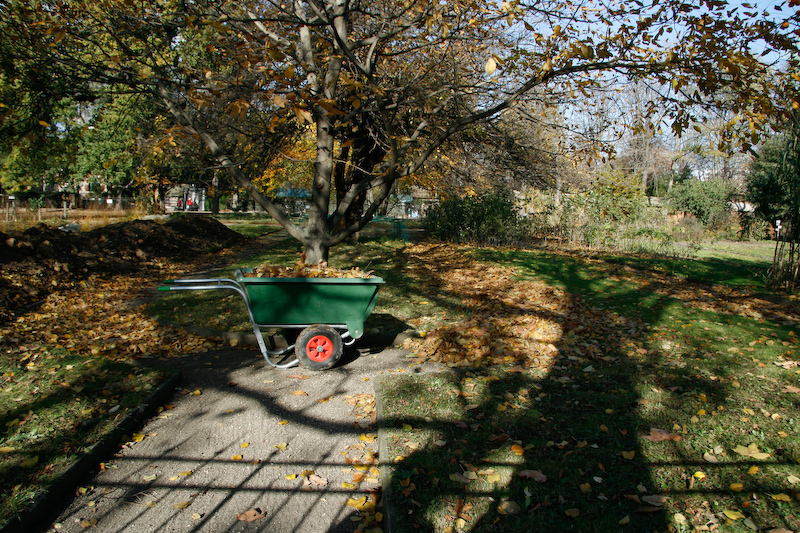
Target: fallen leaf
[250, 515]
[237, 457]
[460, 478]
[298, 376]
[625, 520]
[283, 422]
[182, 505]
[572, 512]
[149, 478]
[281, 446]
[751, 451]
[629, 455]
[781, 497]
[509, 508]
[517, 449]
[244, 445]
[300, 393]
[656, 500]
[737, 487]
[314, 481]
[535, 475]
[733, 515]
[657, 435]
[6, 449]
[196, 516]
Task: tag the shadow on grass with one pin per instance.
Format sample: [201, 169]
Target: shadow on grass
[559, 448]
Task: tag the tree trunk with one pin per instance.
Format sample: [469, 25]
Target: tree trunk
[316, 238]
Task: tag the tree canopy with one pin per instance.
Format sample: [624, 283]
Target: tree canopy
[383, 86]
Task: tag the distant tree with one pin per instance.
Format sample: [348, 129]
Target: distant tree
[383, 85]
[774, 189]
[709, 201]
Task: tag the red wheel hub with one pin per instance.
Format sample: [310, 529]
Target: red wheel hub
[319, 348]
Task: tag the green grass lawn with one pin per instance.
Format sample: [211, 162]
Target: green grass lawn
[672, 405]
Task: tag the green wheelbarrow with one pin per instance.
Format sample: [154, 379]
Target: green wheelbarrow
[330, 312]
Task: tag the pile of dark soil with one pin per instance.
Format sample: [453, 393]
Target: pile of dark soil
[41, 259]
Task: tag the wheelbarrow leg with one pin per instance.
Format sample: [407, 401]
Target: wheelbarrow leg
[279, 354]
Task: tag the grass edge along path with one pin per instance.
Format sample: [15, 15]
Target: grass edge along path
[72, 369]
[595, 419]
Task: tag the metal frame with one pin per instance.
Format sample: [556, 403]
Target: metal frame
[227, 284]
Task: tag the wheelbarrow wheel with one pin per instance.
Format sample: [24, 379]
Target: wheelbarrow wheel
[318, 347]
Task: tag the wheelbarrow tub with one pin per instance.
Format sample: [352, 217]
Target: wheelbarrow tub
[287, 302]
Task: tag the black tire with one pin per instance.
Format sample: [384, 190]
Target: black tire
[318, 347]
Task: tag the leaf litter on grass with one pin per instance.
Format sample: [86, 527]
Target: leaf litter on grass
[535, 330]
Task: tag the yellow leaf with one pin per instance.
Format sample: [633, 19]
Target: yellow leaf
[6, 449]
[572, 512]
[236, 458]
[586, 488]
[737, 487]
[752, 470]
[281, 446]
[291, 476]
[186, 473]
[629, 455]
[44, 124]
[300, 393]
[359, 503]
[733, 515]
[517, 449]
[151, 504]
[699, 475]
[137, 437]
[244, 445]
[346, 485]
[182, 505]
[283, 422]
[781, 497]
[29, 462]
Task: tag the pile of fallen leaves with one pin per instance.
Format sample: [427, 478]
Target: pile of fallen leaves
[301, 270]
[78, 291]
[42, 260]
[511, 321]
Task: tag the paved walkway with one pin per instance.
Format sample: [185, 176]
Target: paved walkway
[239, 440]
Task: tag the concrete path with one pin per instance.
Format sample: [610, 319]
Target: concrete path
[240, 440]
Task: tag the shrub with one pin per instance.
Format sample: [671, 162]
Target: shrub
[490, 219]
